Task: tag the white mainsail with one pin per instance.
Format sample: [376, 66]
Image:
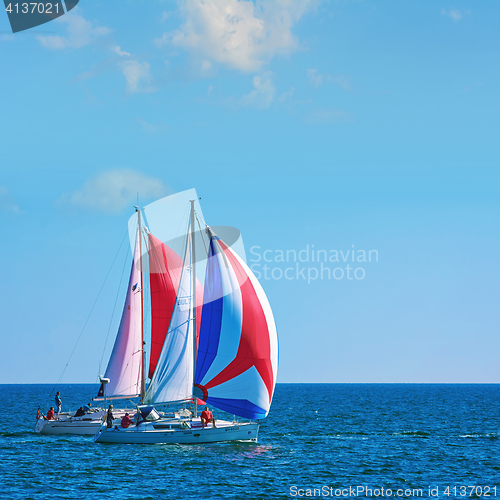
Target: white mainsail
[125, 364]
[173, 377]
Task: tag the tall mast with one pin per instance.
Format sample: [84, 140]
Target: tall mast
[193, 302]
[143, 364]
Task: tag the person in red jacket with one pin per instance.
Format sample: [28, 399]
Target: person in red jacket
[206, 417]
[126, 421]
[50, 414]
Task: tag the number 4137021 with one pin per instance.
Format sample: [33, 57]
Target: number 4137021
[469, 491]
[33, 7]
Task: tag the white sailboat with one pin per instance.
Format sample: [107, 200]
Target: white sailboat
[124, 377]
[231, 364]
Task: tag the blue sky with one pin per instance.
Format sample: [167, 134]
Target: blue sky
[333, 124]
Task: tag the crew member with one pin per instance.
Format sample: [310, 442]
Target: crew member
[80, 412]
[58, 402]
[126, 421]
[110, 417]
[206, 417]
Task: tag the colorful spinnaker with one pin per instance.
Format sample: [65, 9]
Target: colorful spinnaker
[237, 358]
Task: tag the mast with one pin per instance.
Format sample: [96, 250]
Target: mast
[143, 365]
[193, 302]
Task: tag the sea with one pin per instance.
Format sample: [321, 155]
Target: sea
[319, 441]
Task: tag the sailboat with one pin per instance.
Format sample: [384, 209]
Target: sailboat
[227, 360]
[124, 377]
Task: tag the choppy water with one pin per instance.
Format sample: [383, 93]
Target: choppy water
[317, 437]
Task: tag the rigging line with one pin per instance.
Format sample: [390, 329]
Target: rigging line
[90, 313]
[201, 232]
[197, 215]
[146, 297]
[178, 232]
[113, 313]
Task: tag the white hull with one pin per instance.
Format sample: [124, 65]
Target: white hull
[86, 425]
[153, 433]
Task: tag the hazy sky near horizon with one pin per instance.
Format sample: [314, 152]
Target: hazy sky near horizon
[336, 126]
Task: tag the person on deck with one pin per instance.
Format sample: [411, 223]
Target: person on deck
[126, 421]
[80, 412]
[87, 408]
[206, 417]
[110, 417]
[58, 402]
[50, 414]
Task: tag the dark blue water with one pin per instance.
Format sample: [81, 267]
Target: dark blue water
[319, 439]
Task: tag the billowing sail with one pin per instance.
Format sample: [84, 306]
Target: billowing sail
[238, 347]
[125, 364]
[173, 377]
[165, 267]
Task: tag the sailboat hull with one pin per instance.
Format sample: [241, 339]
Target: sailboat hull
[147, 434]
[86, 425]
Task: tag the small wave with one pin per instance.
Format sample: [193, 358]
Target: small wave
[18, 434]
[491, 435]
[412, 433]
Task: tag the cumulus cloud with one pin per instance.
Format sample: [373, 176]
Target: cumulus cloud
[113, 190]
[7, 203]
[262, 95]
[237, 33]
[138, 76]
[79, 33]
[454, 14]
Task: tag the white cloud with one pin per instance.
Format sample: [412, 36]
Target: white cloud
[138, 76]
[165, 15]
[113, 190]
[7, 203]
[163, 40]
[79, 33]
[263, 94]
[120, 52]
[313, 77]
[455, 14]
[285, 96]
[316, 79]
[237, 33]
[205, 66]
